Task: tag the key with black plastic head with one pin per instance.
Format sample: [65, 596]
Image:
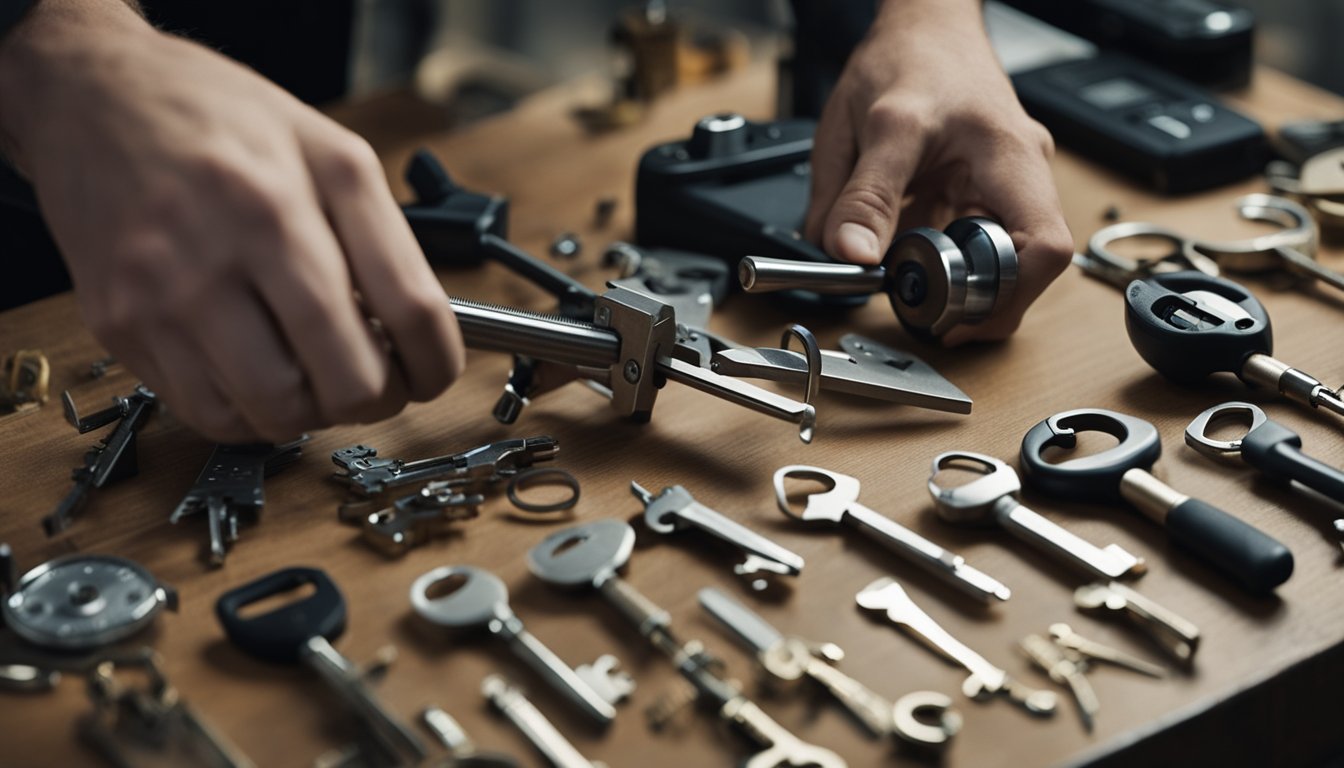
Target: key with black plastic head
[1189, 326]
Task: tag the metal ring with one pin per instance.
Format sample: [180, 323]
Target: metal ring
[811, 352]
[543, 476]
[1196, 434]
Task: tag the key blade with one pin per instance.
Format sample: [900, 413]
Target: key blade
[741, 537]
[746, 624]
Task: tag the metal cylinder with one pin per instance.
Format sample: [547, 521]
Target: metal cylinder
[1151, 496]
[555, 339]
[759, 274]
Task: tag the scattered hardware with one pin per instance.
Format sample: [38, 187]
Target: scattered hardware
[524, 715]
[692, 283]
[1270, 447]
[887, 597]
[541, 476]
[934, 280]
[26, 377]
[449, 221]
[1318, 183]
[230, 483]
[462, 749]
[113, 458]
[481, 601]
[566, 245]
[1064, 670]
[840, 504]
[992, 500]
[1173, 633]
[1188, 326]
[1249, 556]
[589, 556]
[1089, 652]
[789, 659]
[299, 632]
[673, 509]
[81, 602]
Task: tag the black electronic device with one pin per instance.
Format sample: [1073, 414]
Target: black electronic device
[1206, 42]
[733, 188]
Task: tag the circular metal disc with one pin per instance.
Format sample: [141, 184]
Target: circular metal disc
[83, 601]
[933, 260]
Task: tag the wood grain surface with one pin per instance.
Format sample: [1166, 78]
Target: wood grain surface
[1259, 692]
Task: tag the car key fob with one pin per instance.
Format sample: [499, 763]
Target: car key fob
[280, 635]
[1188, 325]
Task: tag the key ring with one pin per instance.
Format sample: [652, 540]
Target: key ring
[542, 476]
[1196, 435]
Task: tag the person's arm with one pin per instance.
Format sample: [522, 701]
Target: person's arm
[227, 243]
[923, 127]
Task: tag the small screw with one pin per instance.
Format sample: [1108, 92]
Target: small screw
[631, 371]
[566, 246]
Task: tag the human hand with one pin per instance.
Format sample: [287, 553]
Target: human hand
[923, 127]
[227, 243]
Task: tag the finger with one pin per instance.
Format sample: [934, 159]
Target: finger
[394, 278]
[255, 368]
[1016, 188]
[861, 223]
[189, 390]
[833, 156]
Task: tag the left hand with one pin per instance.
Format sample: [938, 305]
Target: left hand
[924, 127]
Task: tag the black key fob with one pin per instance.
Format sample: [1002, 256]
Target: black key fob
[1188, 325]
[279, 636]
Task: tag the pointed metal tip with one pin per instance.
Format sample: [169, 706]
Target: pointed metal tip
[640, 492]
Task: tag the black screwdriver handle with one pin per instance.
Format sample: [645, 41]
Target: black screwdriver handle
[1253, 558]
[1276, 451]
[280, 635]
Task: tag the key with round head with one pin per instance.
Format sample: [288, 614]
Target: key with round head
[1270, 447]
[300, 632]
[887, 597]
[1189, 326]
[1250, 557]
[840, 504]
[992, 500]
[480, 601]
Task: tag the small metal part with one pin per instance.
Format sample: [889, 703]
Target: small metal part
[886, 596]
[1063, 670]
[415, 519]
[566, 245]
[1172, 632]
[1090, 651]
[454, 738]
[27, 376]
[544, 736]
[27, 678]
[368, 474]
[82, 602]
[530, 478]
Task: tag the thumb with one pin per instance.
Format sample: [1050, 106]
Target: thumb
[863, 219]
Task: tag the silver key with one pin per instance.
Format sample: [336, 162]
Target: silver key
[454, 738]
[992, 499]
[887, 596]
[790, 658]
[390, 737]
[674, 509]
[1173, 633]
[1064, 671]
[840, 504]
[527, 718]
[590, 556]
[481, 601]
[1091, 650]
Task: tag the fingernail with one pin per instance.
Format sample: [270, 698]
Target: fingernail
[857, 243]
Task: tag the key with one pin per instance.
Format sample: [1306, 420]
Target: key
[674, 509]
[231, 484]
[1250, 557]
[591, 556]
[1271, 448]
[887, 596]
[367, 474]
[1172, 632]
[300, 633]
[788, 659]
[113, 458]
[1091, 650]
[1064, 671]
[1189, 326]
[992, 499]
[481, 601]
[840, 505]
[552, 744]
[455, 739]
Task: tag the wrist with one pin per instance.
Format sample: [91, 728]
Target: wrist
[920, 18]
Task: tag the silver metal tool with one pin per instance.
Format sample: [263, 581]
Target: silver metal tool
[368, 474]
[1088, 651]
[886, 596]
[934, 280]
[80, 602]
[552, 744]
[840, 504]
[674, 509]
[992, 500]
[149, 725]
[1271, 448]
[454, 738]
[481, 601]
[1063, 670]
[1172, 632]
[789, 659]
[230, 484]
[412, 520]
[590, 556]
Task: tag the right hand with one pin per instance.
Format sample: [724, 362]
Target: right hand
[227, 243]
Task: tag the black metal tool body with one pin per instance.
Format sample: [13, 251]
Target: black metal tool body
[1252, 558]
[113, 458]
[448, 220]
[1190, 325]
[230, 484]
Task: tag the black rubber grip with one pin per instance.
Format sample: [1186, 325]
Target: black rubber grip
[1253, 558]
[279, 636]
[1275, 450]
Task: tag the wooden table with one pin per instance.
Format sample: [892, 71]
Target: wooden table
[1260, 692]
